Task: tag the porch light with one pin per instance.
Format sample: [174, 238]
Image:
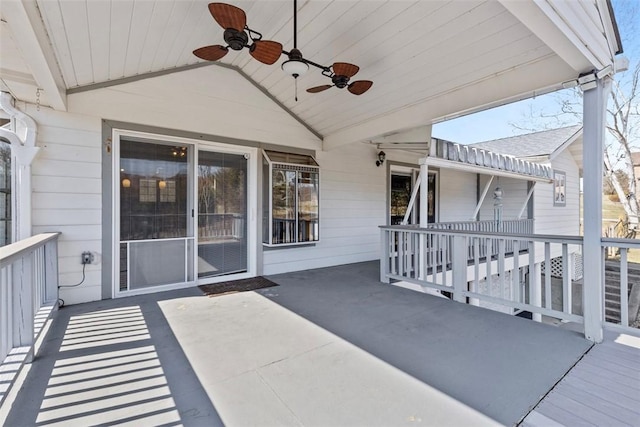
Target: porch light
[497, 194]
[295, 66]
[381, 157]
[126, 183]
[162, 184]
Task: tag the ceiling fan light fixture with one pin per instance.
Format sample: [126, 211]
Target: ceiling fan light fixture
[295, 66]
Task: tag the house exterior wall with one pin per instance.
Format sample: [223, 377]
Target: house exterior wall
[68, 182]
[560, 220]
[457, 195]
[514, 194]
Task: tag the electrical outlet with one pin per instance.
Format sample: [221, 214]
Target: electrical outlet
[87, 257]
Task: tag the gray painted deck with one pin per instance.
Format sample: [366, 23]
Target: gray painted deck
[330, 346]
[603, 389]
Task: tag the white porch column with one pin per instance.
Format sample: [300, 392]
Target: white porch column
[424, 192]
[23, 151]
[594, 122]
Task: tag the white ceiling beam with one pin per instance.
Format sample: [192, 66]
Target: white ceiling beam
[30, 36]
[562, 33]
[521, 82]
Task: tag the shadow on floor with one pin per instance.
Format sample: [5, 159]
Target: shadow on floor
[112, 362]
[500, 365]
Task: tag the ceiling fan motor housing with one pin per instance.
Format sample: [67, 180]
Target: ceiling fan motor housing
[340, 81]
[235, 39]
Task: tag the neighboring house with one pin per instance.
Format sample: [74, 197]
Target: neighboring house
[536, 177]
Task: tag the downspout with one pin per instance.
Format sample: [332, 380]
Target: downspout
[23, 151]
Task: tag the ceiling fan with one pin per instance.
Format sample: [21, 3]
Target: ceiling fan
[340, 73]
[237, 35]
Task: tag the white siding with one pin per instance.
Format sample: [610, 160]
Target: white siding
[514, 193]
[563, 220]
[67, 188]
[457, 195]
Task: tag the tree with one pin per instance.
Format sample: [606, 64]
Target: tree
[623, 115]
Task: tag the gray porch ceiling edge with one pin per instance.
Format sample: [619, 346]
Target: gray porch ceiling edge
[115, 82]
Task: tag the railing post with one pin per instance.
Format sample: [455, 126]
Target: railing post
[459, 267]
[51, 272]
[535, 288]
[23, 304]
[385, 256]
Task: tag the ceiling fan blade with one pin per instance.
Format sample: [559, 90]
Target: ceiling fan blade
[211, 53]
[266, 51]
[344, 69]
[360, 86]
[228, 16]
[319, 88]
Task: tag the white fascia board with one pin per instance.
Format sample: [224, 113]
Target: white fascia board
[525, 81]
[467, 167]
[543, 20]
[575, 137]
[32, 40]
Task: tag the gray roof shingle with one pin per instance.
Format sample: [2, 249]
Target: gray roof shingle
[540, 143]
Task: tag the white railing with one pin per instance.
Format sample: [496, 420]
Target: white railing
[217, 226]
[28, 296]
[475, 267]
[480, 269]
[518, 226]
[622, 293]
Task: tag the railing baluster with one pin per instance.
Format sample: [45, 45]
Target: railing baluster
[535, 290]
[489, 263]
[547, 275]
[566, 280]
[515, 275]
[476, 270]
[624, 283]
[401, 241]
[501, 267]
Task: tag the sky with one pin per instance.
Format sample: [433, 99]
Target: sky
[501, 122]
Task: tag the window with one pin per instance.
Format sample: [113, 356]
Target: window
[291, 210]
[5, 193]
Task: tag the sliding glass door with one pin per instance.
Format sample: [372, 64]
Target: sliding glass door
[222, 213]
[182, 213]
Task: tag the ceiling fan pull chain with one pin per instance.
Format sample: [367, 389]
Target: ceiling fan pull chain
[295, 85]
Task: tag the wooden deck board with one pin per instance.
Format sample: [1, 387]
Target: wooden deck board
[598, 374]
[607, 393]
[559, 414]
[602, 389]
[573, 407]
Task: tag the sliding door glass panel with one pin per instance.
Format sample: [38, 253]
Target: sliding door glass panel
[155, 219]
[222, 214]
[284, 206]
[308, 209]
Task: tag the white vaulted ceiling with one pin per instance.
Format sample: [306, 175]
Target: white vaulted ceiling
[428, 59]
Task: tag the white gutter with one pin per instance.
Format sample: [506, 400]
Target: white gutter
[23, 151]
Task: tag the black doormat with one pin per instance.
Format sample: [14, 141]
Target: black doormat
[234, 286]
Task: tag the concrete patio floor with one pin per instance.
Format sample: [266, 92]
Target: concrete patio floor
[330, 346]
